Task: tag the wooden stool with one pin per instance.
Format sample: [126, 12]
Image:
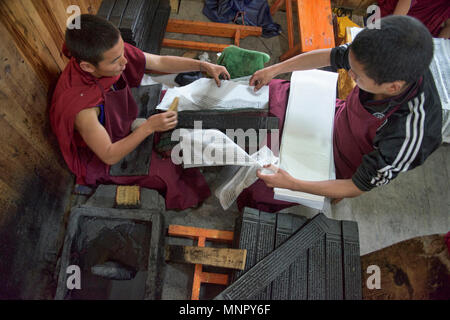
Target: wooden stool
[315, 24]
[202, 235]
[234, 31]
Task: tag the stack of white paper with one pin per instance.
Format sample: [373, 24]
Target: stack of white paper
[204, 94]
[202, 148]
[307, 144]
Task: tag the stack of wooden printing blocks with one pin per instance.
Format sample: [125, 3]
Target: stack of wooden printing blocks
[142, 23]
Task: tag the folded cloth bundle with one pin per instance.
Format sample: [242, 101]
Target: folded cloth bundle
[242, 62]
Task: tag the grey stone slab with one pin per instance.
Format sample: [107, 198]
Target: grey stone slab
[152, 42]
[265, 245]
[225, 120]
[280, 287]
[106, 8]
[269, 268]
[131, 15]
[248, 238]
[117, 12]
[86, 224]
[314, 272]
[352, 261]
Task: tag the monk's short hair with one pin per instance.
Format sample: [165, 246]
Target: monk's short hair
[95, 36]
[402, 49]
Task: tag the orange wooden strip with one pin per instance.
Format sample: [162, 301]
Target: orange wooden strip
[237, 38]
[276, 6]
[290, 23]
[300, 18]
[291, 52]
[194, 45]
[211, 28]
[193, 232]
[196, 282]
[216, 278]
[201, 241]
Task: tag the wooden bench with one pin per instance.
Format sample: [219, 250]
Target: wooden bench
[315, 24]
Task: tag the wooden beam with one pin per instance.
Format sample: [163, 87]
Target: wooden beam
[213, 29]
[237, 38]
[217, 257]
[193, 232]
[194, 45]
[276, 6]
[291, 52]
[290, 23]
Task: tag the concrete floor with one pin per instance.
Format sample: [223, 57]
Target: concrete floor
[415, 204]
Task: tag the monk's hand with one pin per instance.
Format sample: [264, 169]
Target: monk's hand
[163, 121]
[261, 78]
[278, 179]
[217, 72]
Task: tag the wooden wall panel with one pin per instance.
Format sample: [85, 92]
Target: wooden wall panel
[27, 37]
[38, 28]
[34, 179]
[24, 102]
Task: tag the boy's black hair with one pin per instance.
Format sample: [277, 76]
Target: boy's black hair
[92, 40]
[401, 50]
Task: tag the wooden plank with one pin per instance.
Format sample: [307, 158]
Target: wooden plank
[26, 113]
[9, 202]
[48, 30]
[29, 42]
[211, 28]
[174, 5]
[276, 6]
[291, 52]
[20, 162]
[217, 257]
[290, 23]
[194, 45]
[215, 278]
[193, 232]
[315, 24]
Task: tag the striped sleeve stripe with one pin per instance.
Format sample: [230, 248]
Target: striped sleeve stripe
[414, 131]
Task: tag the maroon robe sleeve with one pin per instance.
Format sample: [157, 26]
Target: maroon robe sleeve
[135, 68]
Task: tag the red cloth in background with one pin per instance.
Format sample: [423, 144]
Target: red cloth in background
[447, 241]
[432, 13]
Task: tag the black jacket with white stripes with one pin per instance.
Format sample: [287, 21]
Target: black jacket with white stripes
[407, 137]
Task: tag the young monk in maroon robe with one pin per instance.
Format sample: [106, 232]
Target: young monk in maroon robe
[390, 123]
[92, 111]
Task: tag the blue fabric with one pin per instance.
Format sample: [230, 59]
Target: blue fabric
[247, 12]
[101, 116]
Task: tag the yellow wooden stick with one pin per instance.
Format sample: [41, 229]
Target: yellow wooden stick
[174, 105]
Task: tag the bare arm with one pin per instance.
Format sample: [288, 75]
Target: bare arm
[305, 61]
[98, 140]
[334, 189]
[402, 7]
[445, 32]
[172, 64]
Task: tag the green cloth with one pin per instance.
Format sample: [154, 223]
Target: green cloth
[242, 62]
